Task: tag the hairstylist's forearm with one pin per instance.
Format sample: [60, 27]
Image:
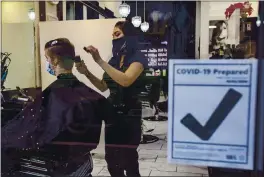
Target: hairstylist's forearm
[99, 84]
[118, 76]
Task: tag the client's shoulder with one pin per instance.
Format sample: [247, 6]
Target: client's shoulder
[73, 92]
[89, 92]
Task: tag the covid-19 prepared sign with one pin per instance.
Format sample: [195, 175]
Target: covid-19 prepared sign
[212, 112]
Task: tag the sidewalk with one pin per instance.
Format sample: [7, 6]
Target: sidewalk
[152, 157]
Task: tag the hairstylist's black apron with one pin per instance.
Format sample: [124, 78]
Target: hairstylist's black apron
[127, 107]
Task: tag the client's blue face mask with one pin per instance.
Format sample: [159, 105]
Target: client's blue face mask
[49, 68]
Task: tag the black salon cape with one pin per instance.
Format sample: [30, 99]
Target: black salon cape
[67, 111]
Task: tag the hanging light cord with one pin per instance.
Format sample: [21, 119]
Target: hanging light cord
[144, 11]
[74, 9]
[136, 8]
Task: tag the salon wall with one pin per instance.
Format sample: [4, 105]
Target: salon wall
[16, 12]
[81, 33]
[51, 11]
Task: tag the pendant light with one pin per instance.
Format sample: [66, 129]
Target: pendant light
[31, 14]
[136, 21]
[258, 22]
[145, 25]
[124, 9]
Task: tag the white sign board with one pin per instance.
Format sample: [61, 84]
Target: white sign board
[212, 112]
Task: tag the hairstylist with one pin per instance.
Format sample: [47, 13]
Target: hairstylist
[121, 77]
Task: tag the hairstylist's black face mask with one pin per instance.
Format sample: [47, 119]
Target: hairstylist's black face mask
[119, 46]
[124, 45]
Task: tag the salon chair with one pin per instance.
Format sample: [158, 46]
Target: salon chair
[13, 101]
[48, 160]
[10, 109]
[163, 106]
[145, 97]
[154, 96]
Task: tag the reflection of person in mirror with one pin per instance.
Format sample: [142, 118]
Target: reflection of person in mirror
[157, 72]
[219, 35]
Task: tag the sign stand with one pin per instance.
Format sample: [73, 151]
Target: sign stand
[259, 163]
[259, 138]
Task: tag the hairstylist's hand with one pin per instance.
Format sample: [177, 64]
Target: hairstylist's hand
[94, 52]
[81, 67]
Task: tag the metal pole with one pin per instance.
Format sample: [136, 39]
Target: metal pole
[260, 42]
[260, 111]
[259, 162]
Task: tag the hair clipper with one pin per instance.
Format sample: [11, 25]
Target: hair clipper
[77, 59]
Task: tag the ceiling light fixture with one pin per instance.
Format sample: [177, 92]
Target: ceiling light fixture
[31, 14]
[124, 9]
[145, 25]
[136, 21]
[258, 22]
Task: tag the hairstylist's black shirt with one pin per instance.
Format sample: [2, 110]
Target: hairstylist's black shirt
[126, 96]
[67, 111]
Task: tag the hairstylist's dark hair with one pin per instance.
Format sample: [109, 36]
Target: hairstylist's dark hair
[127, 28]
[60, 47]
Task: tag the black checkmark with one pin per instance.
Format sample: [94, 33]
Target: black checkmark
[229, 101]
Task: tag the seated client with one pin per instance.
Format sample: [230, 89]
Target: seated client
[66, 118]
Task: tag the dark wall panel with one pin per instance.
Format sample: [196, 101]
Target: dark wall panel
[42, 11]
[260, 41]
[78, 10]
[60, 11]
[91, 13]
